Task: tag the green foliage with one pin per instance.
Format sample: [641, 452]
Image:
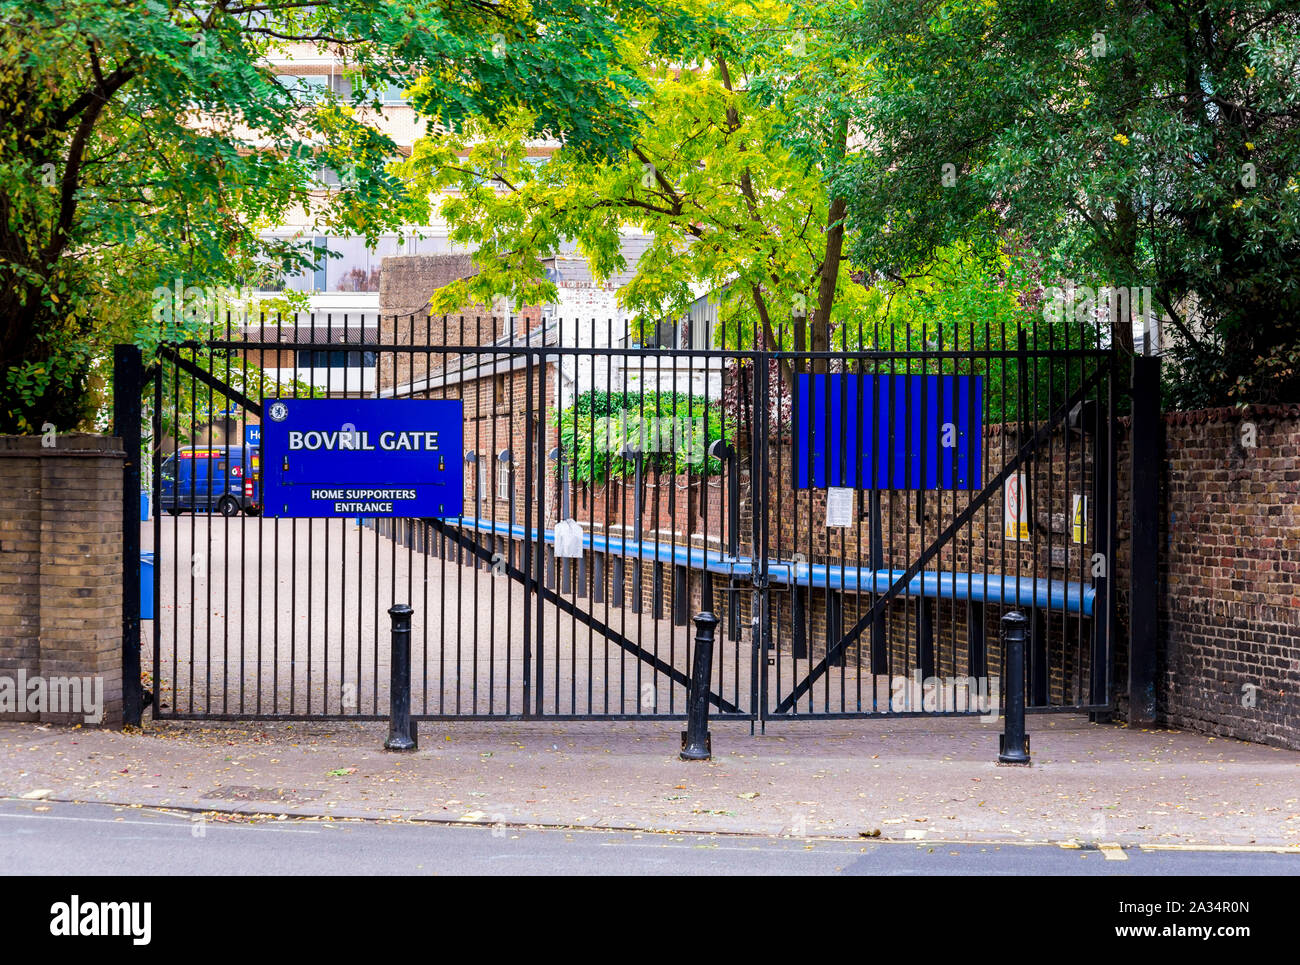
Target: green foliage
[1152, 144]
[724, 175]
[672, 430]
[970, 299]
[735, 176]
[145, 144]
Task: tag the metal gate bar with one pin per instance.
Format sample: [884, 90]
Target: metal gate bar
[281, 619]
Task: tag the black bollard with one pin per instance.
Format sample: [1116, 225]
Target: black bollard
[696, 743]
[402, 735]
[1014, 746]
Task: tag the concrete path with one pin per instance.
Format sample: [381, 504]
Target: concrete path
[909, 779]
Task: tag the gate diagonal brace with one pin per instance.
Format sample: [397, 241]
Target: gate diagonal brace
[994, 485]
[210, 380]
[550, 596]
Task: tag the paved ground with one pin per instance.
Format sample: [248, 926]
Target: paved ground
[291, 617]
[906, 780]
[916, 779]
[89, 839]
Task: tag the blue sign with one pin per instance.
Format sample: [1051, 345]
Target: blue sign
[252, 435]
[363, 457]
[889, 431]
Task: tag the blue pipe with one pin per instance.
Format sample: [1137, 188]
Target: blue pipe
[995, 588]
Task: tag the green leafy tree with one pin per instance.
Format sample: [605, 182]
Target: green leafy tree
[973, 297]
[739, 176]
[726, 175]
[1138, 144]
[144, 142]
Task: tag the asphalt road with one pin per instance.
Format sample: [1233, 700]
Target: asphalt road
[52, 838]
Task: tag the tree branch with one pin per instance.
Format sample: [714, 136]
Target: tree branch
[72, 171]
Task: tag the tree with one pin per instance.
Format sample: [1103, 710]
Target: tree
[1138, 144]
[144, 143]
[726, 173]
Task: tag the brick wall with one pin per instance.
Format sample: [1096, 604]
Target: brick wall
[406, 284]
[671, 505]
[61, 564]
[1230, 574]
[505, 407]
[506, 401]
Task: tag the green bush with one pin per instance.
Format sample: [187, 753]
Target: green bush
[672, 429]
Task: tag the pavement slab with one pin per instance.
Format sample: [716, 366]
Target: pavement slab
[904, 779]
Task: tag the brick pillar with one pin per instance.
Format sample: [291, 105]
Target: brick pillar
[61, 573]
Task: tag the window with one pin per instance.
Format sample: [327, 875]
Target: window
[352, 83]
[501, 391]
[358, 268]
[660, 335]
[321, 272]
[320, 359]
[503, 480]
[305, 86]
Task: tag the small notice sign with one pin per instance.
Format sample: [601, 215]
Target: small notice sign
[1079, 519]
[568, 539]
[1015, 508]
[839, 506]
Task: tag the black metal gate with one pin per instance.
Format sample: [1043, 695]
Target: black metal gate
[894, 607]
[612, 491]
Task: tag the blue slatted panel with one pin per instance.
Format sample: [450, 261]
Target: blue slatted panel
[887, 431]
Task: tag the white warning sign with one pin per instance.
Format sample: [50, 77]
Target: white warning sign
[1015, 508]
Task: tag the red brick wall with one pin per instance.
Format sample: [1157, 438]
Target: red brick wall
[504, 410]
[1230, 574]
[671, 505]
